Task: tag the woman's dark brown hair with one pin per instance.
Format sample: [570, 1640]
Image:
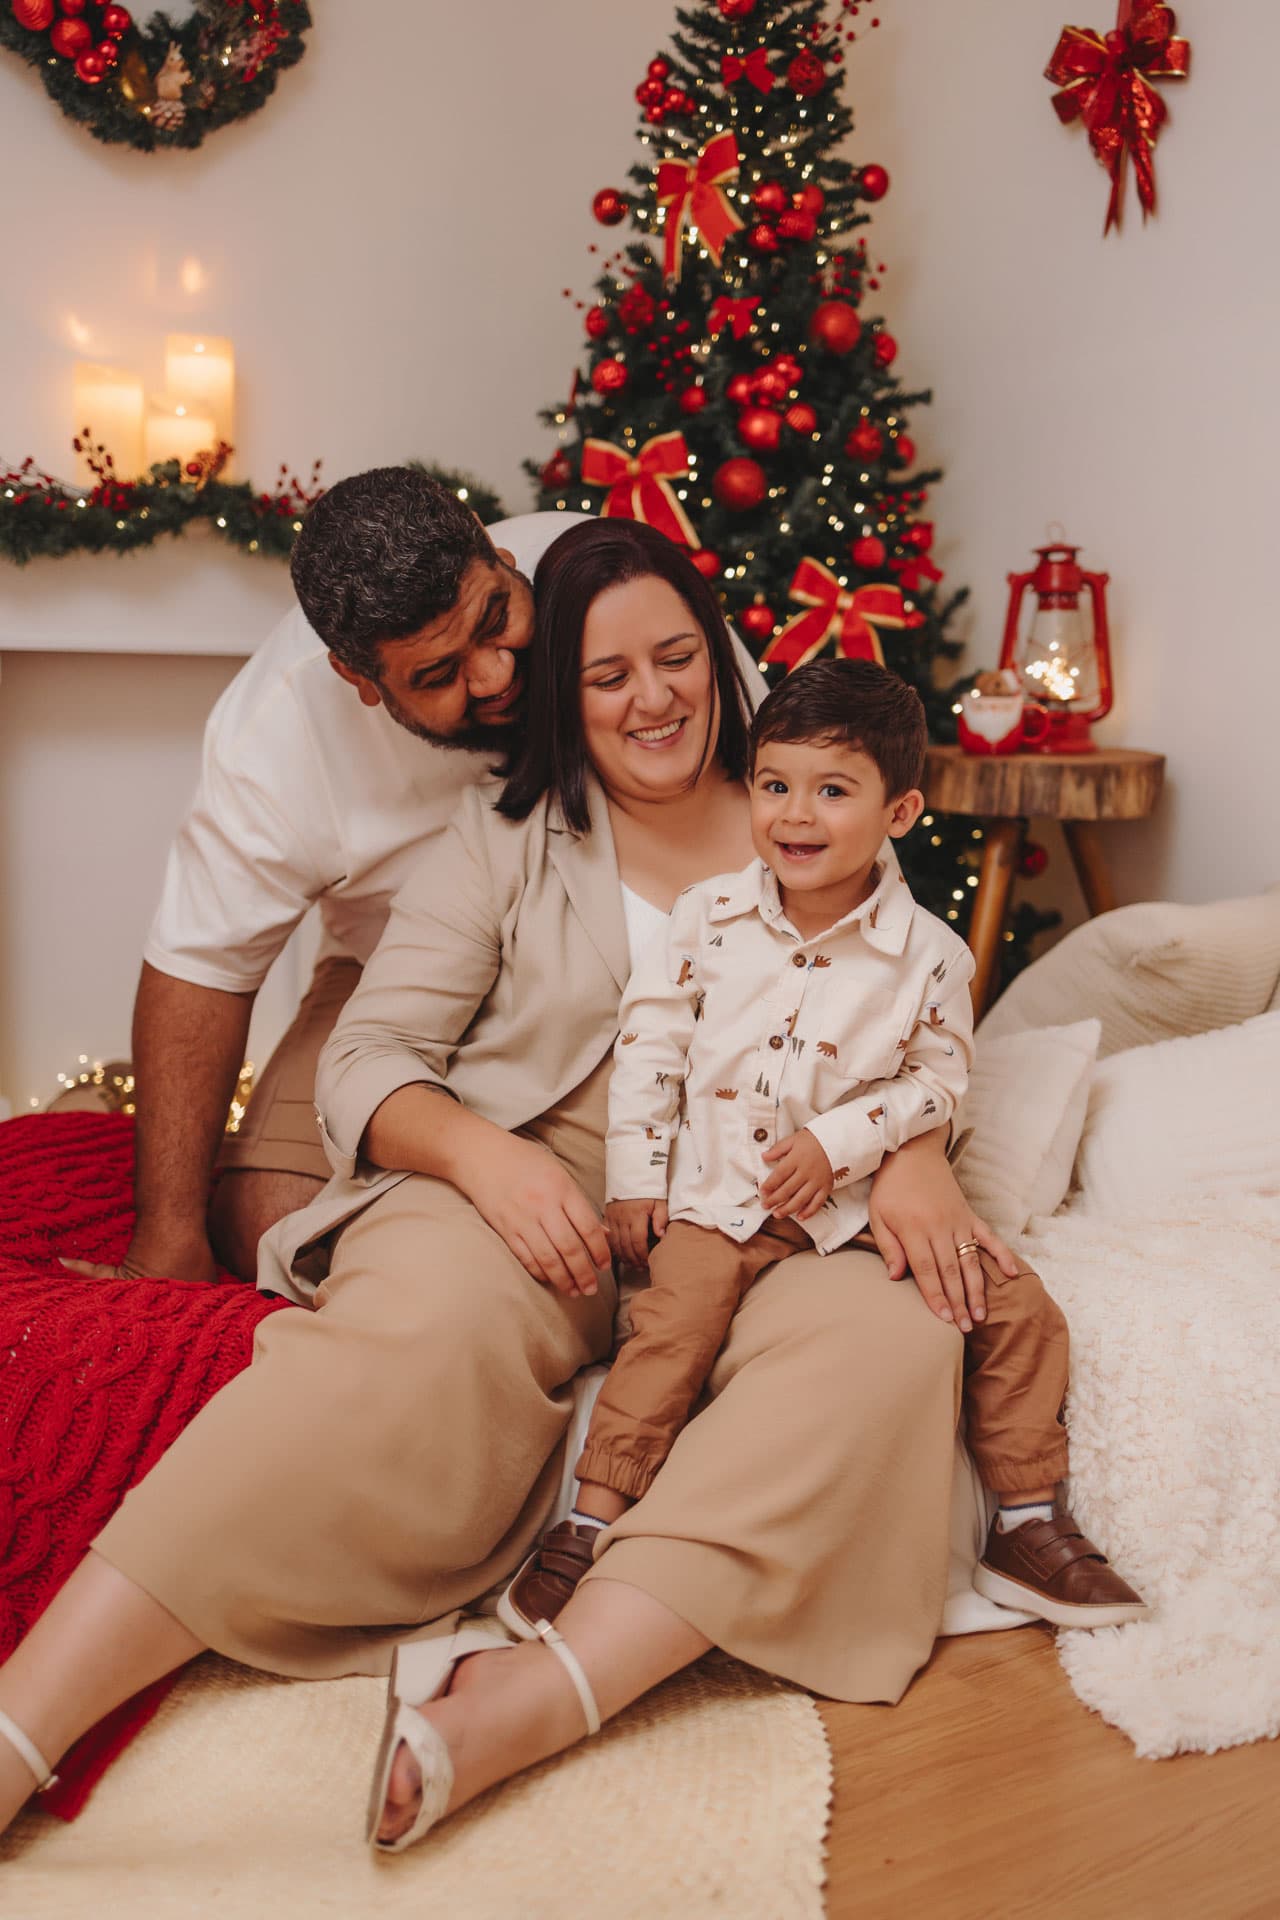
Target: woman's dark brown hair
[575, 570]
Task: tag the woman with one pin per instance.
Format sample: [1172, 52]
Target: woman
[391, 1455]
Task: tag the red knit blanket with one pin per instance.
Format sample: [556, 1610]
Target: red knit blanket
[96, 1377]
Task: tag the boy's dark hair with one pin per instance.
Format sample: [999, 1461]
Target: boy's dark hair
[379, 556]
[583, 563]
[850, 703]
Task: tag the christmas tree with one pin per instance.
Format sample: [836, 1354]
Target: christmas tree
[737, 393]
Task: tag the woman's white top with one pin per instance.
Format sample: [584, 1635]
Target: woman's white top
[644, 922]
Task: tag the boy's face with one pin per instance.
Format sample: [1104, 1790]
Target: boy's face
[819, 814]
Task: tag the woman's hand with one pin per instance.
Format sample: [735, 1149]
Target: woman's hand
[920, 1218]
[540, 1211]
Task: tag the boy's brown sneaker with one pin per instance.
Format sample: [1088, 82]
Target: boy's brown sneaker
[548, 1578]
[1049, 1567]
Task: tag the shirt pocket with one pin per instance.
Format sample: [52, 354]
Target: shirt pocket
[864, 1044]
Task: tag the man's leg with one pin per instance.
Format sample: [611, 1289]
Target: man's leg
[275, 1163]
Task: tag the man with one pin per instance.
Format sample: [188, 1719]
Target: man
[335, 754]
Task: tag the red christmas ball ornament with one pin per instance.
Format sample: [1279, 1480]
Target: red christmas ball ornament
[35, 15]
[73, 7]
[658, 68]
[904, 450]
[558, 471]
[770, 196]
[801, 418]
[810, 200]
[873, 183]
[673, 100]
[609, 206]
[108, 52]
[794, 225]
[836, 326]
[597, 322]
[757, 621]
[70, 38]
[760, 429]
[684, 103]
[707, 563]
[771, 385]
[116, 21]
[609, 376]
[1033, 860]
[806, 75]
[637, 309]
[655, 116]
[866, 442]
[762, 239]
[789, 367]
[739, 389]
[886, 349]
[736, 9]
[920, 536]
[649, 93]
[867, 552]
[90, 68]
[740, 484]
[693, 400]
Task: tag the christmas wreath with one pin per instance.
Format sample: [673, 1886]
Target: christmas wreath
[163, 85]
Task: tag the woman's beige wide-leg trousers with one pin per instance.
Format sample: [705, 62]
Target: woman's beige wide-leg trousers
[394, 1453]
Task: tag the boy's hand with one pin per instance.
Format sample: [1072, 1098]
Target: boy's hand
[801, 1177]
[629, 1223]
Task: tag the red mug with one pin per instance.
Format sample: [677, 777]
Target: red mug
[999, 722]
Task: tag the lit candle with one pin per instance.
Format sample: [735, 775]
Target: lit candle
[109, 404]
[175, 432]
[200, 371]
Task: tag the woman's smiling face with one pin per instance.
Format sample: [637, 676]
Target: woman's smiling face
[648, 691]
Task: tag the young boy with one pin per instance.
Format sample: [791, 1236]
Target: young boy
[800, 1020]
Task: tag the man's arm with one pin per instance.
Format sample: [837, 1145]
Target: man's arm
[188, 1046]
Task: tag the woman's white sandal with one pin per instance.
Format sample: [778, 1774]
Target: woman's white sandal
[422, 1671]
[28, 1752]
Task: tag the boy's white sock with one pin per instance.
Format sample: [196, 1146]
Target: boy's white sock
[588, 1520]
[1011, 1516]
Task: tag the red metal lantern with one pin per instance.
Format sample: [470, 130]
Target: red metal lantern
[1061, 665]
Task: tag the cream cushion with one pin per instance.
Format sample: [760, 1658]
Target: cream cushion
[1184, 1128]
[1026, 1104]
[1152, 971]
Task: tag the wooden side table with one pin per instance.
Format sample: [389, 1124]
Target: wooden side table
[1005, 790]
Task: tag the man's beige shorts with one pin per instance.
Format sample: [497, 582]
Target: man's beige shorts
[279, 1132]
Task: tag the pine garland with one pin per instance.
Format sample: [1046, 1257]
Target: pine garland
[44, 518]
[231, 52]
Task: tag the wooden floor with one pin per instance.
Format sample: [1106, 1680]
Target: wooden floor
[990, 1793]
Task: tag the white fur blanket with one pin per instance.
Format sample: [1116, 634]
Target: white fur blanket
[1174, 1417]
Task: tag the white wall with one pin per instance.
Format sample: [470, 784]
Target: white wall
[386, 243]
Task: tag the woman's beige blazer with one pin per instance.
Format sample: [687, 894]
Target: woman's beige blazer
[509, 935]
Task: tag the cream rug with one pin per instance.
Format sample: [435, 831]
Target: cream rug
[1174, 1415]
[245, 1797]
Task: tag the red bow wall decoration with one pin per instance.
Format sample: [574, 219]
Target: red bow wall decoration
[639, 484]
[835, 610]
[1105, 81]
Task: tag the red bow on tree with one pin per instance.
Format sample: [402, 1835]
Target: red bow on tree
[639, 483]
[1106, 83]
[754, 68]
[693, 191]
[835, 610]
[737, 315]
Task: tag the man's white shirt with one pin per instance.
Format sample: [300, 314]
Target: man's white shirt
[305, 796]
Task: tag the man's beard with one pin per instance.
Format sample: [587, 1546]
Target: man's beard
[472, 739]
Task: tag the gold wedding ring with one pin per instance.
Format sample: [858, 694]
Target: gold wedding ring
[970, 1246]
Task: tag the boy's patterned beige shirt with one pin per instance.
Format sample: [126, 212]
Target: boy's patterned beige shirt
[736, 1032]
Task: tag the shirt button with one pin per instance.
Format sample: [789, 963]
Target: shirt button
[775, 1040]
[761, 1133]
[798, 960]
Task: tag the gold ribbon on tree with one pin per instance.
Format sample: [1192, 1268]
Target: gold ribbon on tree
[692, 191]
[848, 614]
[1105, 81]
[639, 484]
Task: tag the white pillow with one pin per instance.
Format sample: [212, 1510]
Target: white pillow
[1026, 1105]
[1184, 1129]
